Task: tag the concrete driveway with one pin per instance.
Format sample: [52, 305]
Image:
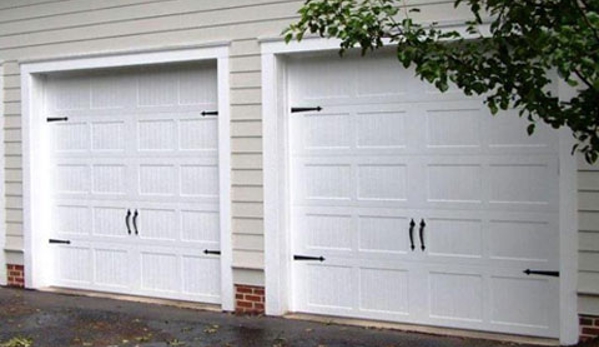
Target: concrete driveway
[58, 320]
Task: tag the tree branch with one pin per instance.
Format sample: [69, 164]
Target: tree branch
[585, 19]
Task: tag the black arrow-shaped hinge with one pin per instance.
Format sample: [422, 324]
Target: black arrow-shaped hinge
[542, 273]
[305, 109]
[63, 242]
[208, 251]
[57, 119]
[306, 257]
[209, 113]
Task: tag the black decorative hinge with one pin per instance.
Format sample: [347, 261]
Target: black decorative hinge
[57, 119]
[63, 242]
[305, 109]
[209, 113]
[305, 257]
[208, 251]
[542, 273]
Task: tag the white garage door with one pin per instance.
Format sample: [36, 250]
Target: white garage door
[135, 202]
[423, 207]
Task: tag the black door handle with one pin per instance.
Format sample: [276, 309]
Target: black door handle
[127, 221]
[421, 232]
[412, 225]
[135, 222]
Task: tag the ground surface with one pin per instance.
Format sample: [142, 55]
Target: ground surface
[56, 320]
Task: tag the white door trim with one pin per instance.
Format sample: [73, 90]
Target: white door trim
[276, 191]
[3, 271]
[35, 192]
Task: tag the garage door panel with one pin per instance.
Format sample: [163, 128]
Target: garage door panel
[384, 234]
[198, 134]
[387, 149]
[156, 135]
[507, 130]
[522, 303]
[72, 265]
[109, 222]
[199, 276]
[529, 241]
[71, 137]
[72, 219]
[456, 296]
[136, 181]
[455, 237]
[453, 128]
[384, 291]
[110, 267]
[160, 271]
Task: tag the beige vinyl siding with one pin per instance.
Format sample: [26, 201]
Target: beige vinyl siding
[588, 213]
[34, 29]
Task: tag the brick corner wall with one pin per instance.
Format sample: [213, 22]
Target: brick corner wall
[589, 327]
[16, 275]
[249, 299]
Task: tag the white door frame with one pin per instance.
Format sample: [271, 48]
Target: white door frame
[35, 183]
[278, 255]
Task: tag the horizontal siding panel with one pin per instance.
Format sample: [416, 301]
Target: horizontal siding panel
[250, 277]
[588, 261]
[247, 194]
[14, 215]
[14, 242]
[13, 175]
[11, 68]
[588, 221]
[245, 64]
[12, 135]
[246, 161]
[56, 7]
[13, 148]
[12, 82]
[12, 95]
[12, 122]
[221, 18]
[12, 108]
[247, 209]
[248, 259]
[247, 177]
[246, 128]
[151, 39]
[13, 162]
[588, 282]
[247, 47]
[246, 145]
[14, 189]
[138, 13]
[248, 226]
[588, 201]
[584, 166]
[15, 202]
[248, 243]
[246, 80]
[246, 112]
[246, 96]
[588, 180]
[15, 229]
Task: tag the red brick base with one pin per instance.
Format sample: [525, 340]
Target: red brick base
[589, 327]
[16, 275]
[249, 299]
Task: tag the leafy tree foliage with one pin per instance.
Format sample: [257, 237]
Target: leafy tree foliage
[513, 65]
